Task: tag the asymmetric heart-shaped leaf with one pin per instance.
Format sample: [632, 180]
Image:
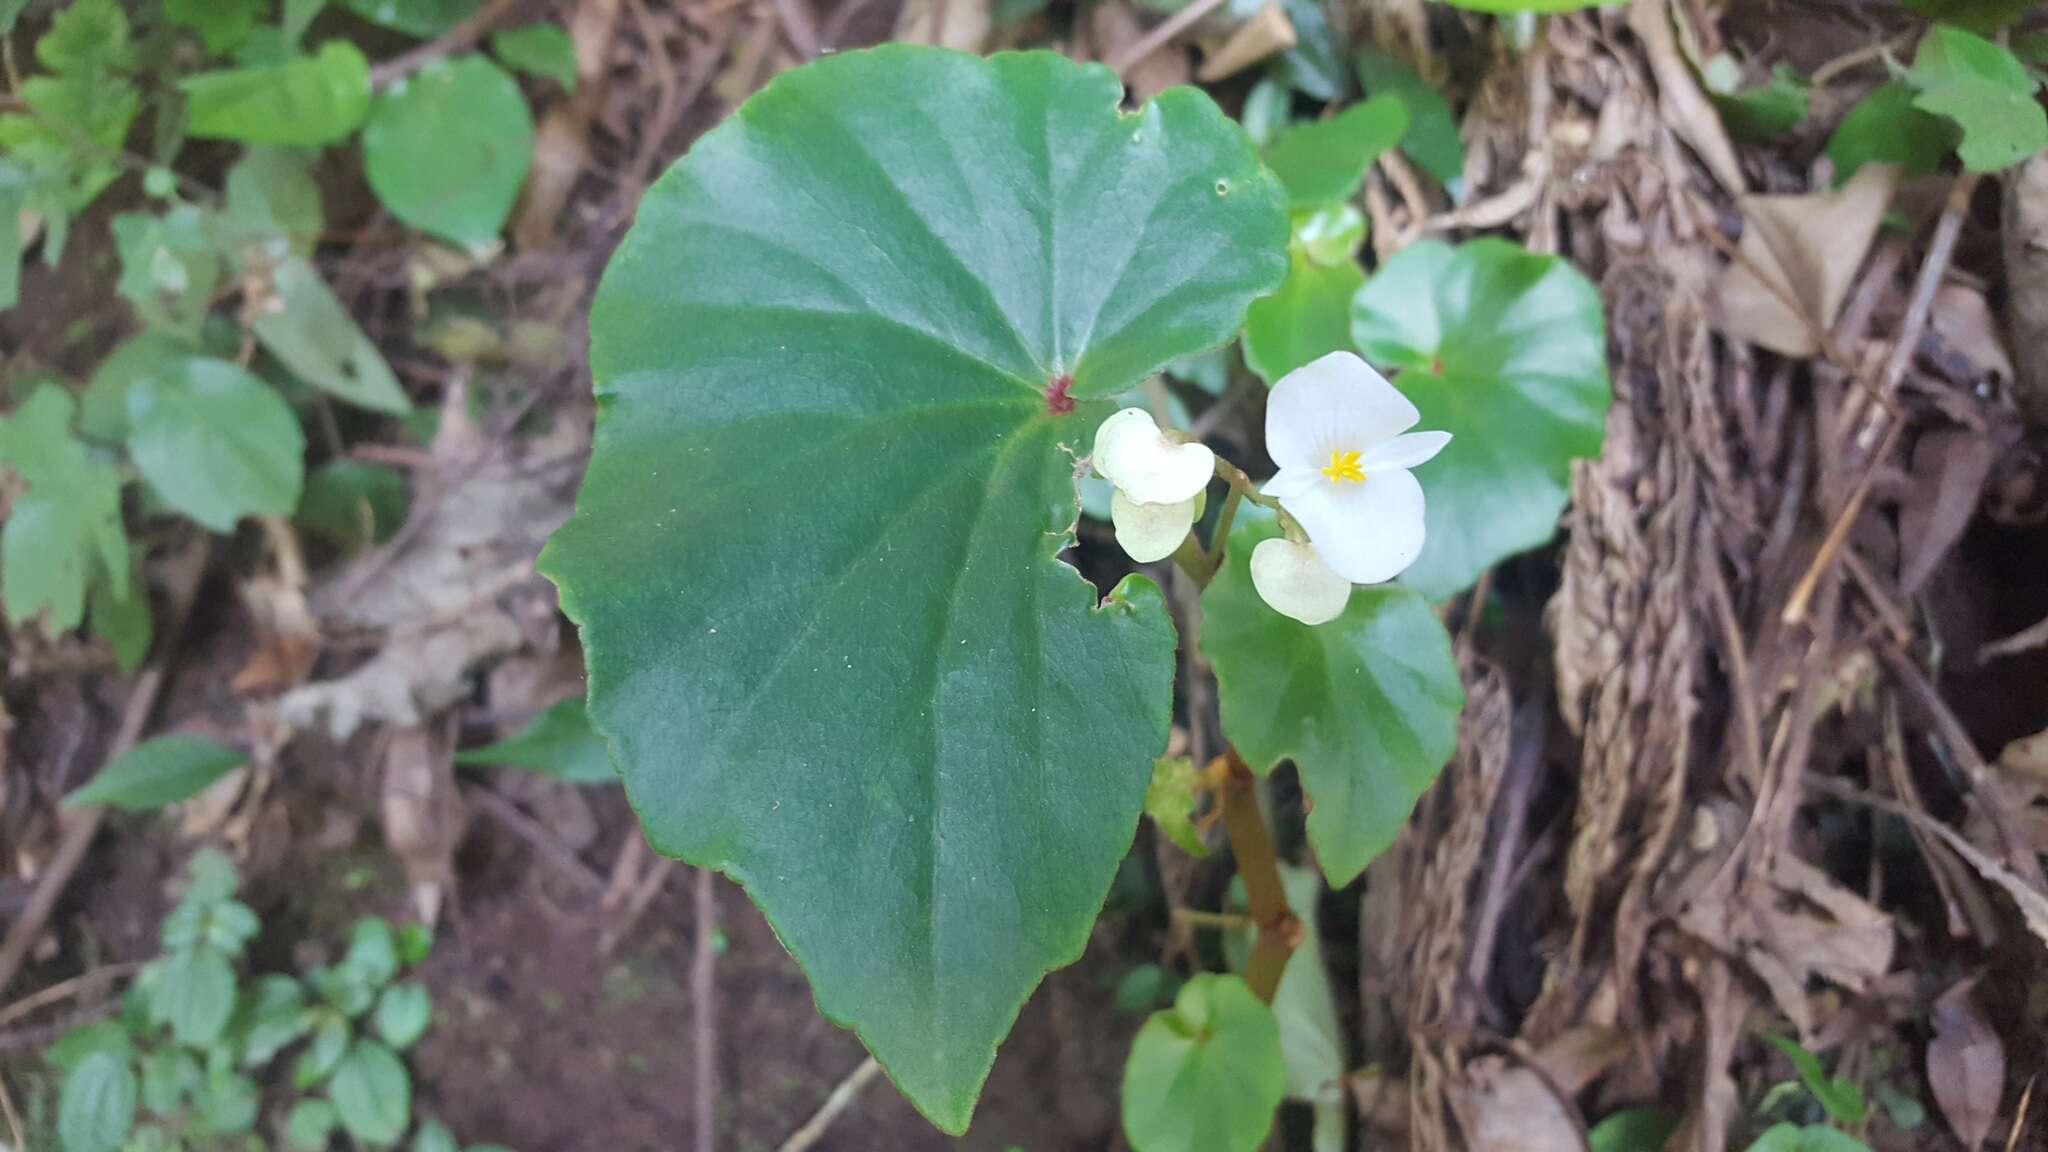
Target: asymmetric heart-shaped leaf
[1366, 705]
[1207, 1074]
[846, 359]
[1506, 350]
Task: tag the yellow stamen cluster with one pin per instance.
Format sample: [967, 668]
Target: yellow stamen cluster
[1343, 466]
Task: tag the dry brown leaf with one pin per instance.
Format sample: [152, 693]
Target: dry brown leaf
[1505, 1109]
[1685, 107]
[1804, 250]
[1267, 34]
[1949, 468]
[1965, 1065]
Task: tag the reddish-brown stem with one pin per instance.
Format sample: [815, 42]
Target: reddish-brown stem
[1252, 845]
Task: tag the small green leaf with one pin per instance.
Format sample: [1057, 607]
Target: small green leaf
[403, 1013]
[63, 534]
[103, 408]
[421, 18]
[194, 993]
[221, 24]
[330, 1043]
[1366, 705]
[1206, 1075]
[74, 1046]
[297, 16]
[1330, 235]
[1309, 317]
[158, 772]
[310, 1125]
[308, 330]
[372, 950]
[1432, 139]
[271, 195]
[170, 267]
[434, 1136]
[559, 743]
[1268, 108]
[544, 50]
[215, 442]
[86, 37]
[305, 102]
[1986, 91]
[228, 1103]
[1840, 1098]
[1313, 67]
[1885, 128]
[880, 708]
[352, 504]
[1170, 802]
[447, 150]
[1144, 988]
[96, 1109]
[169, 1077]
[1632, 1130]
[276, 1019]
[1506, 350]
[230, 926]
[415, 941]
[1324, 161]
[1767, 111]
[372, 1093]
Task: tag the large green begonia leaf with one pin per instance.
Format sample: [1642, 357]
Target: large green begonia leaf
[845, 361]
[1366, 705]
[1506, 350]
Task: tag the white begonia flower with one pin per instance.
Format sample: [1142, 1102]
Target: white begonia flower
[1133, 454]
[1340, 434]
[1295, 582]
[1150, 532]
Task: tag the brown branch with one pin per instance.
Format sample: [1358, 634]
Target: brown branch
[459, 38]
[1252, 845]
[704, 1014]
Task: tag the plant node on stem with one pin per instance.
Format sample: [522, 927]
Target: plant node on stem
[1252, 845]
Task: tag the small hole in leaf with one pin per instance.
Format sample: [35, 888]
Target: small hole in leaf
[1223, 187]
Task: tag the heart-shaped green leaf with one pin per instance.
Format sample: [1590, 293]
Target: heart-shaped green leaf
[815, 556]
[447, 150]
[1366, 705]
[1207, 1074]
[215, 442]
[96, 1110]
[1324, 161]
[372, 1093]
[1507, 351]
[1986, 91]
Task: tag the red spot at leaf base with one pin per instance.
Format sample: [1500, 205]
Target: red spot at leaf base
[1057, 402]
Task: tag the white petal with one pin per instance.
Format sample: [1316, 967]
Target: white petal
[1296, 582]
[1366, 532]
[1337, 403]
[1291, 482]
[1405, 451]
[1133, 454]
[1150, 531]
